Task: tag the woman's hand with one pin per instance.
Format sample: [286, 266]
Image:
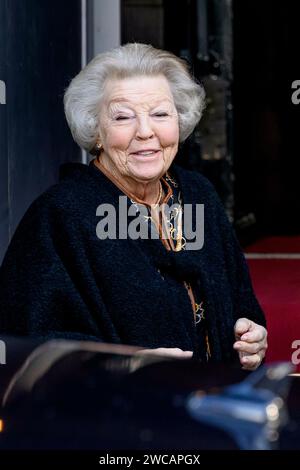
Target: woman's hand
[251, 343]
[168, 352]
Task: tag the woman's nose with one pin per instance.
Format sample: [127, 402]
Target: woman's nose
[144, 129]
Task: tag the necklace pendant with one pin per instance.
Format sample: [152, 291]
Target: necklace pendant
[199, 313]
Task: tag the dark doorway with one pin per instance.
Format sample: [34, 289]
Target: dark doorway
[199, 31]
[266, 122]
[253, 136]
[40, 51]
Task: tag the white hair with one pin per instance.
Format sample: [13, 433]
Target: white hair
[83, 97]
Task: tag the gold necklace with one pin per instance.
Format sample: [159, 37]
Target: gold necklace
[159, 195]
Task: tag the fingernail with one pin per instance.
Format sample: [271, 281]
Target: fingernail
[244, 360]
[244, 337]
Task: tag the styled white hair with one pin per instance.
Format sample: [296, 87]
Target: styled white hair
[83, 97]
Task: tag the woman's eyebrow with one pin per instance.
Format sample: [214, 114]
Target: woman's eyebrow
[118, 106]
[161, 103]
[125, 100]
[118, 100]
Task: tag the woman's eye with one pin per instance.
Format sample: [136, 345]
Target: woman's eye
[162, 114]
[122, 118]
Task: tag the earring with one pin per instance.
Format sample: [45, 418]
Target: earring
[96, 150]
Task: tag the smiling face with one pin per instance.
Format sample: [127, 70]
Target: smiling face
[138, 128]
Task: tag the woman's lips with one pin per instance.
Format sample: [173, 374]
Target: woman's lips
[146, 155]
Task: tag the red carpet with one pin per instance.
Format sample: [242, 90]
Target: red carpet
[277, 286]
[275, 245]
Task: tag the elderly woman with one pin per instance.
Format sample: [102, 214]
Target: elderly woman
[95, 257]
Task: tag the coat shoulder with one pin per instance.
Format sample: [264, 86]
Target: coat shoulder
[68, 195]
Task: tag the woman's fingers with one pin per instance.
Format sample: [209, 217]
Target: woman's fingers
[251, 362]
[241, 327]
[250, 348]
[251, 343]
[168, 352]
[258, 334]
